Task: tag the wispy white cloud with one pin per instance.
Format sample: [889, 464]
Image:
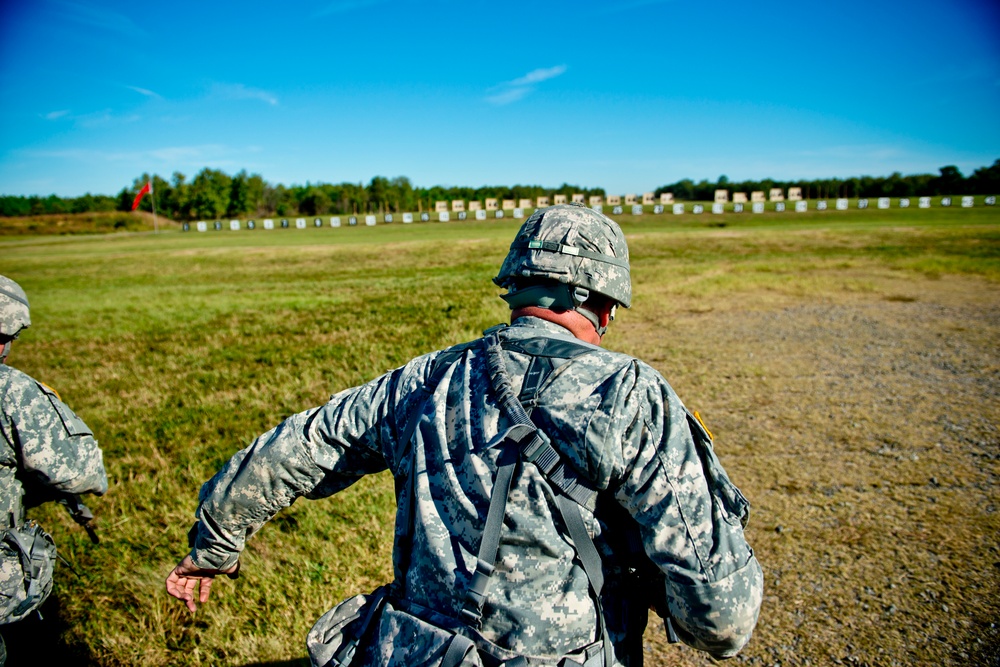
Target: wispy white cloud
[55, 115]
[104, 118]
[515, 90]
[539, 75]
[145, 91]
[103, 19]
[344, 6]
[238, 91]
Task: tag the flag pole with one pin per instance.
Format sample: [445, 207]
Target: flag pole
[153, 198]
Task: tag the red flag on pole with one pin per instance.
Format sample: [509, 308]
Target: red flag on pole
[146, 189]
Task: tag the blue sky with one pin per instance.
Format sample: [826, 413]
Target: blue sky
[623, 95]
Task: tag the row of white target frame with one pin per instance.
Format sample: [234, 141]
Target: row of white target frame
[370, 220]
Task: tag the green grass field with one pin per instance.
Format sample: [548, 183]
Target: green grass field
[179, 348]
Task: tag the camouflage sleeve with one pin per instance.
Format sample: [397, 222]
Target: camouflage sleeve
[690, 517]
[314, 454]
[54, 446]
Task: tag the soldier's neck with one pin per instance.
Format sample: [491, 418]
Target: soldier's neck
[577, 324]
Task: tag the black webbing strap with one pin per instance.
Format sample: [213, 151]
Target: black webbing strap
[553, 246]
[532, 446]
[458, 648]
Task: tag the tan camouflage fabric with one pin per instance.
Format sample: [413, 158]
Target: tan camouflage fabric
[612, 416]
[44, 441]
[561, 233]
[14, 311]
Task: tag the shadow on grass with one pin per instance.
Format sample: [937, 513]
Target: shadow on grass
[40, 641]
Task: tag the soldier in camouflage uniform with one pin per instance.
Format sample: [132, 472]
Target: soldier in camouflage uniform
[436, 423]
[46, 452]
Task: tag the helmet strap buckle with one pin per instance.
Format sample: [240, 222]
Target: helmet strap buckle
[579, 295]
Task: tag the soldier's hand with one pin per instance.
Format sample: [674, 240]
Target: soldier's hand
[184, 578]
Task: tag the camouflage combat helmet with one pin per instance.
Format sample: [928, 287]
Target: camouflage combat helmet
[14, 315]
[563, 253]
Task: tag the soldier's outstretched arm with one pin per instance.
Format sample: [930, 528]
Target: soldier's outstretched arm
[691, 520]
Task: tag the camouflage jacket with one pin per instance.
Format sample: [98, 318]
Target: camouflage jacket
[614, 418]
[42, 443]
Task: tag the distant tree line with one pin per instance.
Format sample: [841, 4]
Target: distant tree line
[214, 194]
[984, 181]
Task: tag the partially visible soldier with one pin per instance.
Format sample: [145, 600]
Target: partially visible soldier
[46, 453]
[549, 491]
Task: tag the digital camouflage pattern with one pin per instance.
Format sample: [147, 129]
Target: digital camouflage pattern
[571, 244]
[14, 313]
[614, 418]
[43, 442]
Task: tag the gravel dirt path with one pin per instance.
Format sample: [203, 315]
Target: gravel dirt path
[864, 431]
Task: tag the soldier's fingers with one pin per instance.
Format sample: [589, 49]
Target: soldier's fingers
[206, 588]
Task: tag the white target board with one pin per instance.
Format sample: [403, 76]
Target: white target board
[678, 209]
[737, 208]
[991, 200]
[598, 207]
[492, 205]
[967, 202]
[334, 221]
[424, 217]
[658, 209]
[509, 205]
[904, 202]
[718, 208]
[757, 206]
[519, 212]
[697, 208]
[842, 204]
[462, 215]
[630, 200]
[667, 198]
[352, 221]
[614, 200]
[443, 216]
[739, 198]
[596, 200]
[407, 218]
[558, 199]
[440, 207]
[318, 222]
[945, 201]
[883, 202]
[794, 194]
[498, 214]
[542, 202]
[617, 210]
[757, 196]
[234, 225]
[480, 214]
[636, 209]
[924, 202]
[779, 206]
[801, 206]
[202, 226]
[821, 205]
[268, 223]
[862, 203]
[721, 197]
[578, 198]
[648, 199]
[387, 217]
[300, 223]
[776, 195]
[458, 205]
[370, 220]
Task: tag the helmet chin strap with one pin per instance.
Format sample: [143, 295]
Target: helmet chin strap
[558, 296]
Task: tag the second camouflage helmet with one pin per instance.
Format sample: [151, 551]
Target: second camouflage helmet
[571, 244]
[14, 314]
